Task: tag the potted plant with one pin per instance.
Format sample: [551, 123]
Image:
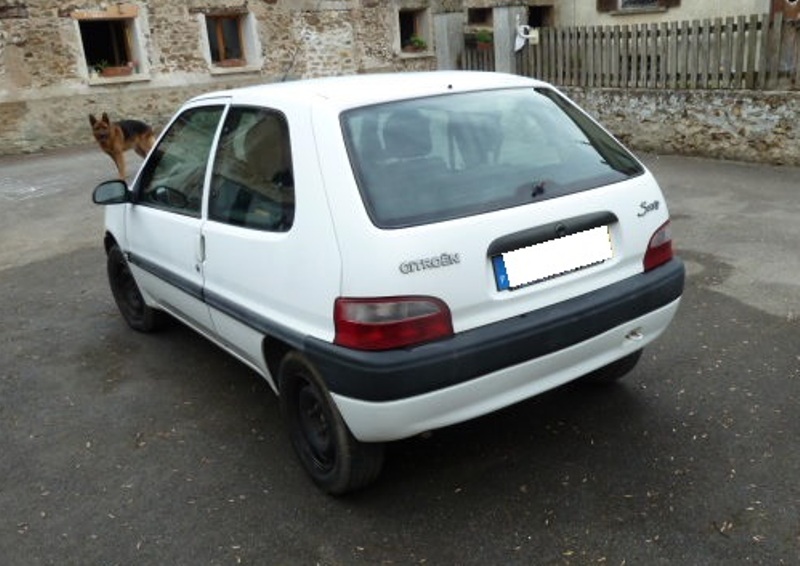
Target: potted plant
[100, 66]
[106, 70]
[415, 43]
[483, 39]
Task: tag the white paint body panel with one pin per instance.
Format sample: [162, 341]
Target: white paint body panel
[333, 249]
[393, 420]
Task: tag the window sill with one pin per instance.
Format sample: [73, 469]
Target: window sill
[215, 70]
[415, 54]
[135, 78]
[639, 10]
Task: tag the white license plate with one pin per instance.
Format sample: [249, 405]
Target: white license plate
[549, 259]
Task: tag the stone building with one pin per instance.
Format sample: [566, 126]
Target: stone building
[61, 60]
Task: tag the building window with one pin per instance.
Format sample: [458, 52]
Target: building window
[540, 16]
[226, 40]
[110, 41]
[414, 30]
[635, 5]
[479, 17]
[626, 4]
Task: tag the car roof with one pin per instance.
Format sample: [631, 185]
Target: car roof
[360, 90]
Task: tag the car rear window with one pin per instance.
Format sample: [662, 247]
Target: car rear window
[432, 159]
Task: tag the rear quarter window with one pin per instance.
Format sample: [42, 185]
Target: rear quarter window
[432, 159]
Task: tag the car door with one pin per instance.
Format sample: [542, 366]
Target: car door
[164, 225]
[250, 213]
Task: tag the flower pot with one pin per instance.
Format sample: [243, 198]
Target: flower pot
[231, 63]
[123, 71]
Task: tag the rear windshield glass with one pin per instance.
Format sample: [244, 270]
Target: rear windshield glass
[432, 159]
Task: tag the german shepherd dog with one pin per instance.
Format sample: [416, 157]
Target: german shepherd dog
[115, 138]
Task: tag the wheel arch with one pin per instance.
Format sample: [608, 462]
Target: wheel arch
[274, 349]
[109, 241]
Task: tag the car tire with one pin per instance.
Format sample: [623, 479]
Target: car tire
[614, 371]
[126, 294]
[335, 460]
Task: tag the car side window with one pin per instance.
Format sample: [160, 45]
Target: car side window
[173, 177]
[252, 183]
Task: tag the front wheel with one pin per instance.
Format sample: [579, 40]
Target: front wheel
[127, 295]
[335, 460]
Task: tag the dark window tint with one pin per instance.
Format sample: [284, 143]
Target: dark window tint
[252, 183]
[433, 159]
[174, 175]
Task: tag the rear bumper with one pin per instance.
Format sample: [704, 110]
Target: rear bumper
[379, 377]
[375, 421]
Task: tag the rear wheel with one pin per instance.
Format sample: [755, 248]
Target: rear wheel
[334, 459]
[127, 295]
[615, 370]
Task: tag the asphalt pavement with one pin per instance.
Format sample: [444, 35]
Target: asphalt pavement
[123, 448]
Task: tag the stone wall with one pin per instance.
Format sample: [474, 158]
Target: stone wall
[47, 91]
[736, 125]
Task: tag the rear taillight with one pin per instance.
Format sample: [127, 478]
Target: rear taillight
[659, 250]
[390, 322]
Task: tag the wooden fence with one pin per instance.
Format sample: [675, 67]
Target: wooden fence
[752, 52]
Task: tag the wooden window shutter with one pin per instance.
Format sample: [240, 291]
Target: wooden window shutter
[607, 5]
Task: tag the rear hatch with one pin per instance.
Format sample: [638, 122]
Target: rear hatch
[496, 203]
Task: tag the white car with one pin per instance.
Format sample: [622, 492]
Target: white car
[395, 253]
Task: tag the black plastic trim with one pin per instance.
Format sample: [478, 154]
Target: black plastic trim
[551, 231]
[189, 287]
[254, 320]
[398, 374]
[246, 316]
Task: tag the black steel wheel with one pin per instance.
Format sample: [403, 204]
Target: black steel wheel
[126, 293]
[335, 460]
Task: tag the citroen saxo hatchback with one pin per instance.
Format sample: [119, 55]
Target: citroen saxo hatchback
[395, 253]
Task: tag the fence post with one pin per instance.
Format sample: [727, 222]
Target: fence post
[600, 57]
[739, 63]
[672, 50]
[763, 59]
[715, 50]
[704, 55]
[552, 72]
[624, 55]
[795, 78]
[537, 60]
[568, 57]
[633, 59]
[752, 45]
[774, 43]
[727, 54]
[590, 56]
[682, 66]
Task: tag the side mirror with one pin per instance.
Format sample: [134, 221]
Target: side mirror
[111, 192]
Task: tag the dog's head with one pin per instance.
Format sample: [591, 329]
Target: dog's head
[101, 129]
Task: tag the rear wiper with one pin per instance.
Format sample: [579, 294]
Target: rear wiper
[532, 188]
